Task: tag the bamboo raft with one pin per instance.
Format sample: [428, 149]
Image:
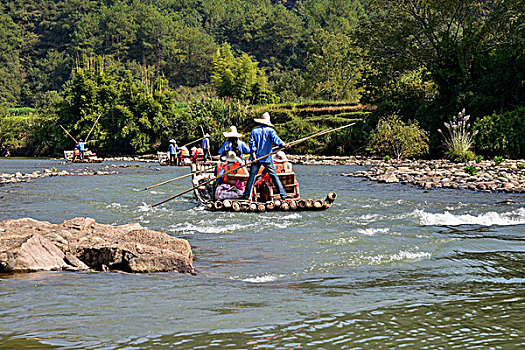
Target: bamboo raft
[274, 205]
[295, 203]
[88, 158]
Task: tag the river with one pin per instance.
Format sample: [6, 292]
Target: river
[388, 266]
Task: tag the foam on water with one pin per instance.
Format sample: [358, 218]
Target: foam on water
[364, 219]
[206, 228]
[114, 205]
[340, 241]
[515, 217]
[262, 279]
[400, 256]
[292, 216]
[144, 207]
[372, 231]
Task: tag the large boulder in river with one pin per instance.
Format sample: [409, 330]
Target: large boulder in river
[80, 244]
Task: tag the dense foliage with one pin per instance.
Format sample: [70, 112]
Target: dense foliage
[429, 59]
[240, 78]
[421, 60]
[502, 134]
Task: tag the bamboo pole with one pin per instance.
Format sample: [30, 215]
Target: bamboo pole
[68, 134]
[177, 178]
[95, 123]
[189, 143]
[293, 143]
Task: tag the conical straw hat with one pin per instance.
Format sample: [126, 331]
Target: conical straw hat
[232, 132]
[265, 119]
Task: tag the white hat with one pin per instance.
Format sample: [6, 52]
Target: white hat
[172, 141]
[232, 157]
[265, 119]
[232, 132]
[193, 148]
[280, 157]
[206, 135]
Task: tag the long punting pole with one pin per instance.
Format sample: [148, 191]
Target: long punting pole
[178, 178]
[68, 134]
[95, 123]
[293, 143]
[189, 143]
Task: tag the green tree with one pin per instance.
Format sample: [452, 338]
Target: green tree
[133, 114]
[11, 77]
[334, 67]
[240, 78]
[458, 45]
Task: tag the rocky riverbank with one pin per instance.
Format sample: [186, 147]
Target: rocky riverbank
[28, 245]
[486, 176]
[20, 177]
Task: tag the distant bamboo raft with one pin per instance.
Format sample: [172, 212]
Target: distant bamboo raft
[275, 205]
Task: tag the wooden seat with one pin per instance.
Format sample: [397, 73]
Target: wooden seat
[267, 191]
[68, 155]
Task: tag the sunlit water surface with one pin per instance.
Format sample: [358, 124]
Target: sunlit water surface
[388, 266]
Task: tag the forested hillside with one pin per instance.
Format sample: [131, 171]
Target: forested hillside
[134, 62]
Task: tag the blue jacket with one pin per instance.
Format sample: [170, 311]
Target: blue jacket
[205, 143]
[227, 146]
[173, 149]
[261, 142]
[81, 146]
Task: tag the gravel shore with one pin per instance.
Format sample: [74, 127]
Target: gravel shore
[508, 176]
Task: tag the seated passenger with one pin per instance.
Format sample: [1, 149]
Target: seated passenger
[183, 153]
[225, 187]
[195, 153]
[282, 165]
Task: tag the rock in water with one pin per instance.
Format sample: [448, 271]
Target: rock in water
[78, 244]
[388, 177]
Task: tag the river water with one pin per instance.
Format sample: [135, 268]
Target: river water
[388, 266]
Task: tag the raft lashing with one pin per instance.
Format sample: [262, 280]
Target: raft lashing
[237, 205]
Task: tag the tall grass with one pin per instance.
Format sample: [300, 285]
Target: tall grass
[458, 139]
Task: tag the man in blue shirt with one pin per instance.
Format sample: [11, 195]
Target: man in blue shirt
[172, 150]
[81, 146]
[261, 141]
[206, 147]
[233, 143]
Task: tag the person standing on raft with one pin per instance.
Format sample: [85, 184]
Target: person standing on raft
[261, 141]
[81, 146]
[173, 149]
[233, 143]
[206, 147]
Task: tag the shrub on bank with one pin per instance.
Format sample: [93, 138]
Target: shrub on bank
[394, 137]
[502, 134]
[24, 136]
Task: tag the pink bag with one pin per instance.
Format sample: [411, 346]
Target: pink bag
[240, 185]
